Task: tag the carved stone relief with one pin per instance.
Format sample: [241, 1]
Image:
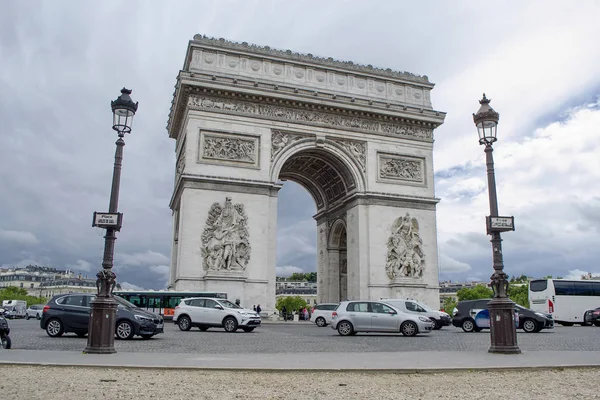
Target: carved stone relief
[358, 151]
[281, 140]
[229, 148]
[401, 168]
[310, 117]
[405, 257]
[225, 240]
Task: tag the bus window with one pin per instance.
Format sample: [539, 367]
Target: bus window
[154, 302]
[538, 286]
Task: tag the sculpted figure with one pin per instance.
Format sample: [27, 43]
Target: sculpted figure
[225, 244]
[405, 256]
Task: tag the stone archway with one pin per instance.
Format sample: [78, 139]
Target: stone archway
[358, 138]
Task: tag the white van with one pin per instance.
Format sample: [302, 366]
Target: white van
[14, 308]
[439, 318]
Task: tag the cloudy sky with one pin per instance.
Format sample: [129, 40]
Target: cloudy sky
[61, 62]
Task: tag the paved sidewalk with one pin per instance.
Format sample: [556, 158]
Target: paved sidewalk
[422, 361]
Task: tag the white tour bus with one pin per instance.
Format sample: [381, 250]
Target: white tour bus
[566, 300]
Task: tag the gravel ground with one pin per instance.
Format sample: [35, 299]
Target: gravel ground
[69, 383]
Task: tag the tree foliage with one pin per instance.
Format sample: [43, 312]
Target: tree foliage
[15, 293]
[306, 276]
[477, 292]
[291, 303]
[449, 305]
[519, 294]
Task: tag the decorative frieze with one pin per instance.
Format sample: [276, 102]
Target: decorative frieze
[405, 257]
[227, 148]
[309, 117]
[401, 169]
[225, 240]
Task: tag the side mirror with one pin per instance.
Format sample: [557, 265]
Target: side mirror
[218, 307]
[392, 312]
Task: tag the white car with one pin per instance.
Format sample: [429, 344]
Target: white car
[214, 313]
[439, 318]
[321, 313]
[34, 311]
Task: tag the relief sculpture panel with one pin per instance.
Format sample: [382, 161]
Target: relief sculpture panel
[223, 148]
[405, 257]
[280, 140]
[225, 240]
[401, 168]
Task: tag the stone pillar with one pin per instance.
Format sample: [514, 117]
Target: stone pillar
[357, 230]
[322, 263]
[334, 276]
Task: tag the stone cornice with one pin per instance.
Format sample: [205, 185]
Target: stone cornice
[392, 121]
[305, 58]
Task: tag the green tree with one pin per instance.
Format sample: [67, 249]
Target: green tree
[449, 305]
[15, 293]
[519, 294]
[477, 292]
[291, 303]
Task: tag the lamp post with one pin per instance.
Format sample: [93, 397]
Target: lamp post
[503, 333]
[101, 329]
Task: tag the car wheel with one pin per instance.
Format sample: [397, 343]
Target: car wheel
[345, 328]
[248, 329]
[409, 328]
[125, 330]
[230, 324]
[529, 325]
[6, 343]
[27, 317]
[146, 337]
[54, 328]
[320, 322]
[184, 323]
[437, 324]
[38, 317]
[468, 325]
[203, 328]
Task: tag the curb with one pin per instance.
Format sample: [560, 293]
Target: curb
[305, 370]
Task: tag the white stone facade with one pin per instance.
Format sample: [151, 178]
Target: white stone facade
[359, 139]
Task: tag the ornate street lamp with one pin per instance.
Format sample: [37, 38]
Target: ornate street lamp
[503, 333]
[101, 330]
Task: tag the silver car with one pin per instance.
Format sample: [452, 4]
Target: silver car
[373, 316]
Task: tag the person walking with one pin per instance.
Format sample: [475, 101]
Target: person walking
[254, 307]
[237, 302]
[258, 309]
[284, 312]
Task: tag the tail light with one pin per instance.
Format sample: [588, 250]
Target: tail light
[550, 307]
[46, 308]
[333, 314]
[597, 312]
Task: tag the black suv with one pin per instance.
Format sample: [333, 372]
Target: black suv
[473, 316]
[593, 316]
[71, 313]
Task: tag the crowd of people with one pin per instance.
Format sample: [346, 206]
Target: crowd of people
[303, 314]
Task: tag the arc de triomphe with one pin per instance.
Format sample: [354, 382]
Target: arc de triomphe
[358, 138]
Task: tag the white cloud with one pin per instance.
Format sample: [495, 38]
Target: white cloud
[576, 274]
[288, 270]
[449, 265]
[130, 286]
[148, 258]
[18, 237]
[82, 265]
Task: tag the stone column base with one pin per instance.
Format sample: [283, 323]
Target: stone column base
[101, 330]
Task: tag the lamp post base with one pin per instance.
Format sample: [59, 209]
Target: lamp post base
[101, 330]
[503, 332]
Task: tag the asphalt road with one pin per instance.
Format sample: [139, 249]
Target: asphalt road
[306, 337]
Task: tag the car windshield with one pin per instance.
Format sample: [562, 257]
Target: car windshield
[228, 304]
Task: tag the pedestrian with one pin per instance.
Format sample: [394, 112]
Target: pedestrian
[237, 302]
[258, 309]
[284, 312]
[254, 307]
[305, 312]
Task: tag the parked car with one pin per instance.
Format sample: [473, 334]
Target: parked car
[439, 318]
[66, 313]
[351, 317]
[473, 316]
[593, 316]
[321, 313]
[207, 313]
[34, 311]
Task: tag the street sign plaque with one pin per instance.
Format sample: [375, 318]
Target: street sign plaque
[500, 224]
[107, 220]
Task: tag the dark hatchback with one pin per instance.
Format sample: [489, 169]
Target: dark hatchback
[529, 320]
[593, 316]
[66, 313]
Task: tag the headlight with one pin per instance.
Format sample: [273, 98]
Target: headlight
[425, 319]
[142, 318]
